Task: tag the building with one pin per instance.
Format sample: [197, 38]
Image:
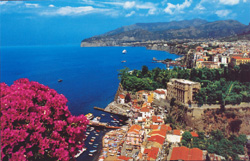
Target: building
[182, 90]
[121, 99]
[236, 60]
[135, 135]
[160, 94]
[184, 153]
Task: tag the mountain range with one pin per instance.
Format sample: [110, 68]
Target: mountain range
[186, 29]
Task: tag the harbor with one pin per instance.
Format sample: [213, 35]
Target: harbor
[97, 128]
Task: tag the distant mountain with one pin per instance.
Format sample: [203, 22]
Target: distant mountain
[158, 26]
[187, 29]
[242, 35]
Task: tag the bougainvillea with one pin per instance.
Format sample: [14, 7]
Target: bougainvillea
[36, 123]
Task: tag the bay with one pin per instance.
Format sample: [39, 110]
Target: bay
[89, 75]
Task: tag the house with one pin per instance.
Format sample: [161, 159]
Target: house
[121, 99]
[160, 94]
[175, 137]
[157, 120]
[194, 134]
[135, 135]
[124, 158]
[150, 154]
[146, 112]
[236, 60]
[184, 153]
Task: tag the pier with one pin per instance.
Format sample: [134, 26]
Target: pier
[102, 124]
[101, 109]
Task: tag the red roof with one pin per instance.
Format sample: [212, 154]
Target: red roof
[159, 139]
[238, 57]
[184, 153]
[166, 127]
[177, 132]
[152, 153]
[124, 158]
[200, 59]
[159, 91]
[144, 110]
[134, 129]
[156, 119]
[154, 126]
[194, 134]
[121, 96]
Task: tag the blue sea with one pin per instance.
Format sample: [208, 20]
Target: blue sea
[90, 74]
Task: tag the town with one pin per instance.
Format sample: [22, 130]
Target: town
[149, 135]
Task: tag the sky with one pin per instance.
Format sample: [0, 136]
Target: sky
[65, 22]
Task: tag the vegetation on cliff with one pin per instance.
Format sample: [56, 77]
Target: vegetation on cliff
[216, 143]
[226, 85]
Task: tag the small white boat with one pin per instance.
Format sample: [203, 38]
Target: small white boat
[92, 151]
[90, 143]
[124, 51]
[80, 152]
[103, 114]
[124, 61]
[90, 154]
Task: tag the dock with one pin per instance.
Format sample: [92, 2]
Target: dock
[101, 109]
[102, 124]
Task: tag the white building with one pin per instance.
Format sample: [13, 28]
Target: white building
[160, 94]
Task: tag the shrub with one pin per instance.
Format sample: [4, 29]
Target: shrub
[36, 123]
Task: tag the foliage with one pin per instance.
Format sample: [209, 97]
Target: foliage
[217, 143]
[36, 124]
[223, 86]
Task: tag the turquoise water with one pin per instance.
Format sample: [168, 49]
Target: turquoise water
[90, 75]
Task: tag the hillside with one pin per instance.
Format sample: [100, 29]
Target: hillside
[187, 29]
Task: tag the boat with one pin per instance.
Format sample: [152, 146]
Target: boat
[124, 61]
[111, 116]
[124, 51]
[80, 152]
[93, 137]
[90, 154]
[90, 143]
[87, 133]
[60, 80]
[92, 151]
[92, 140]
[97, 130]
[103, 114]
[92, 128]
[89, 116]
[97, 134]
[96, 144]
[121, 120]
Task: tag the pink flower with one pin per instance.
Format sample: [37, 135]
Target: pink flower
[38, 118]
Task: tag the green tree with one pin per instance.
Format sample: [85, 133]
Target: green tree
[144, 70]
[211, 149]
[172, 102]
[187, 138]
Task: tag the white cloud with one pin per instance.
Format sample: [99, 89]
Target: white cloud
[222, 13]
[130, 14]
[32, 5]
[51, 5]
[171, 8]
[244, 1]
[229, 2]
[128, 4]
[199, 7]
[68, 10]
[3, 2]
